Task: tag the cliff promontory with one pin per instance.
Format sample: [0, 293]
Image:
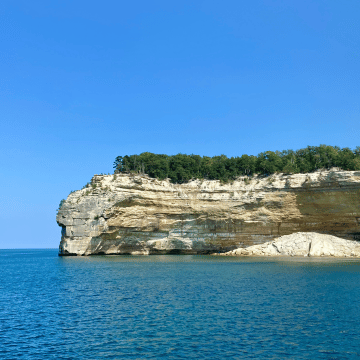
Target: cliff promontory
[136, 214]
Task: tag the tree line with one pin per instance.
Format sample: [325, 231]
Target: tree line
[181, 168]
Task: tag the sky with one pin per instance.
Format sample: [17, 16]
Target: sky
[82, 82]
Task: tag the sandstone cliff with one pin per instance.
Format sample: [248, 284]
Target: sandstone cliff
[133, 214]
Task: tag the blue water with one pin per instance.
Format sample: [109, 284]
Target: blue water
[177, 307]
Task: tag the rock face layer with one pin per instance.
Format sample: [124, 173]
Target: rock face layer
[302, 244]
[133, 214]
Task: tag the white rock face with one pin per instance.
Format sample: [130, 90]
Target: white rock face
[302, 244]
[136, 214]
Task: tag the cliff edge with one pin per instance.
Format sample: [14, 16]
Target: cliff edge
[136, 214]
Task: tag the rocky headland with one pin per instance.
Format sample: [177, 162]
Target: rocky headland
[136, 214]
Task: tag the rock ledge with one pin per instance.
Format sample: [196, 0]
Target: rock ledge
[302, 244]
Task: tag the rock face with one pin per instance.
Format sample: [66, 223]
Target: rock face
[133, 214]
[302, 244]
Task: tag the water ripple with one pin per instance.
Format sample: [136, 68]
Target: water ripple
[175, 307]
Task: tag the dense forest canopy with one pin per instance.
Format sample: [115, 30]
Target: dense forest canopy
[181, 168]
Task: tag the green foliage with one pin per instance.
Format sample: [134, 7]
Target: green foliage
[60, 205]
[181, 168]
[85, 186]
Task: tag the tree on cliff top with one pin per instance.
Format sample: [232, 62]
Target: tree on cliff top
[181, 168]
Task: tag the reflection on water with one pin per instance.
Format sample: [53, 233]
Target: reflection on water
[175, 307]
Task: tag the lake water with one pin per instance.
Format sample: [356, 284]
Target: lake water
[177, 307]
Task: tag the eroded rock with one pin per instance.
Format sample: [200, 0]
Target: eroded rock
[302, 244]
[127, 214]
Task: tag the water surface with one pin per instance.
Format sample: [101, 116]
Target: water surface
[177, 306]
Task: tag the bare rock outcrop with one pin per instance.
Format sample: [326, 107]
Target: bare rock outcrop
[302, 244]
[136, 214]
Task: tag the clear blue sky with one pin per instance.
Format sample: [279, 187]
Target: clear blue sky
[82, 82]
